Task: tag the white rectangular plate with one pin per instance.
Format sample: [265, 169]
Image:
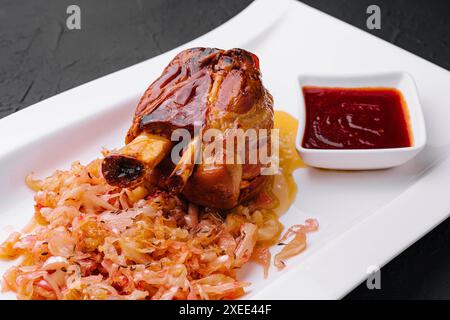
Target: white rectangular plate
[366, 218]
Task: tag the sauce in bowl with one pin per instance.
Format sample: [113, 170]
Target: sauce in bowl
[355, 118]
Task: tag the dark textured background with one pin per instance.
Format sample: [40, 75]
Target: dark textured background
[39, 58]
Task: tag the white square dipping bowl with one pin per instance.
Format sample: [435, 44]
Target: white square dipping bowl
[364, 159]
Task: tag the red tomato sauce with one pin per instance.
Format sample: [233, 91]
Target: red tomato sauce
[355, 118]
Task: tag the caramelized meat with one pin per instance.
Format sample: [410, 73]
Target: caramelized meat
[212, 89]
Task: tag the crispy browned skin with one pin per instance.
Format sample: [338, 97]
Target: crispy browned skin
[216, 89]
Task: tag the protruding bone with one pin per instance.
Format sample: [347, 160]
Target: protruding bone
[185, 167]
[129, 165]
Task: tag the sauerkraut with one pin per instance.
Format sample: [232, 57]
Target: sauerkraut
[89, 240]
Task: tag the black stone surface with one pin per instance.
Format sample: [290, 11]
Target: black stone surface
[39, 58]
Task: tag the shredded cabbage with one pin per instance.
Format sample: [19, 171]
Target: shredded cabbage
[90, 240]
